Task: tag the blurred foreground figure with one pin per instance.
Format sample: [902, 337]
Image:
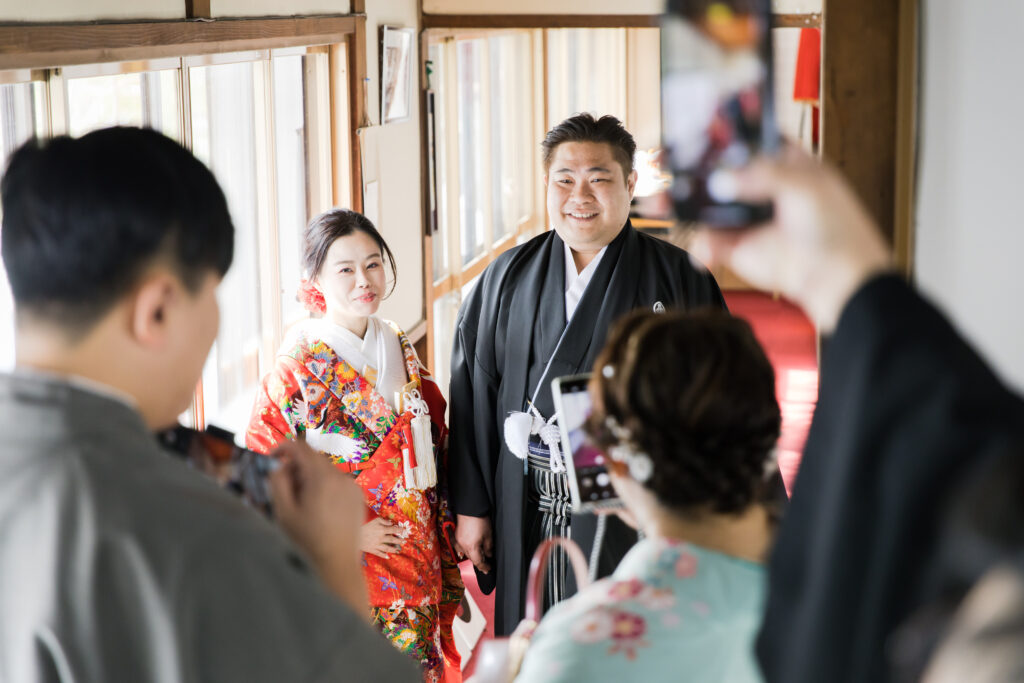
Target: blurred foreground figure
[120, 563]
[907, 413]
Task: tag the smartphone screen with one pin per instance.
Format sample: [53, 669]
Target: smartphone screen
[589, 483]
[717, 107]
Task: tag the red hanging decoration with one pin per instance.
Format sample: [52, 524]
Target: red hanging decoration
[807, 83]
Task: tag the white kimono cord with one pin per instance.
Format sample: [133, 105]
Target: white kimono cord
[595, 552]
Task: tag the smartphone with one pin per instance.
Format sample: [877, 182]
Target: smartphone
[215, 453]
[589, 483]
[718, 110]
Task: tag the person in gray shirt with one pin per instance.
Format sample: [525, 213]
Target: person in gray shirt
[118, 562]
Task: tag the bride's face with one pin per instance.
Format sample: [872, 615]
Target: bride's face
[352, 278]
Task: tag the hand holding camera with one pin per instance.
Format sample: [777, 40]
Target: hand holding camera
[319, 507]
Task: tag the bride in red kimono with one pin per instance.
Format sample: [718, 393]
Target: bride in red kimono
[352, 386]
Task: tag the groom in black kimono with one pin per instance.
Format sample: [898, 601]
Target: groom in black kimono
[541, 311]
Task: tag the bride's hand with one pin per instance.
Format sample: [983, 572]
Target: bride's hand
[380, 537]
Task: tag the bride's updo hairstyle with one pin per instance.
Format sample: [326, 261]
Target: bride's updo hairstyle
[693, 396]
[323, 230]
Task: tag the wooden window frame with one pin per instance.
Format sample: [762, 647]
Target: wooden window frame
[41, 51]
[459, 274]
[441, 28]
[463, 22]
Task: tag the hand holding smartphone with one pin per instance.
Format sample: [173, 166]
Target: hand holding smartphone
[718, 110]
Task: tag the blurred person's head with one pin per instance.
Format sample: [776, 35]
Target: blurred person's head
[114, 244]
[348, 264]
[685, 409]
[590, 179]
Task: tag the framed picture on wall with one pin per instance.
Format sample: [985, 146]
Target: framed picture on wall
[395, 73]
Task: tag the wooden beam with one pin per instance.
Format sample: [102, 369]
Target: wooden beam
[477, 21]
[426, 233]
[359, 6]
[197, 9]
[812, 20]
[357, 103]
[30, 46]
[499, 21]
[860, 42]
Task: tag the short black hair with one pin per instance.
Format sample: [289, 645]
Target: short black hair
[696, 393]
[323, 230]
[83, 218]
[585, 128]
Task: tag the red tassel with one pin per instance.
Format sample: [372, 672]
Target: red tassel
[407, 435]
[807, 84]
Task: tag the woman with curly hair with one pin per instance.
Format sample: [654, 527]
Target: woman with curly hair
[688, 440]
[351, 385]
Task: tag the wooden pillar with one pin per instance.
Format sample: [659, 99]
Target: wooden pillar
[357, 101]
[197, 9]
[860, 99]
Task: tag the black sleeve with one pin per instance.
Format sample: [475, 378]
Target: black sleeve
[701, 289]
[473, 447]
[710, 294]
[906, 412]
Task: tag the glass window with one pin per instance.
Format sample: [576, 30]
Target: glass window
[439, 73]
[446, 311]
[23, 115]
[485, 157]
[471, 148]
[510, 124]
[586, 72]
[446, 308]
[290, 158]
[136, 99]
[224, 137]
[262, 122]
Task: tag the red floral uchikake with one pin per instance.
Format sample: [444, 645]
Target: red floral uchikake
[311, 298]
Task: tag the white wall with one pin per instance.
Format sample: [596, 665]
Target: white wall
[276, 8]
[89, 10]
[796, 6]
[395, 152]
[970, 220]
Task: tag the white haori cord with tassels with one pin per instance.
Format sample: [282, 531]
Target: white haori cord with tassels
[418, 456]
[519, 427]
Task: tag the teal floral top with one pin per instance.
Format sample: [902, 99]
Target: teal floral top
[671, 611]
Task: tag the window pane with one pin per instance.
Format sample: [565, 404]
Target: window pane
[471, 148]
[439, 72]
[446, 308]
[512, 150]
[161, 102]
[586, 72]
[224, 136]
[22, 116]
[290, 155]
[139, 99]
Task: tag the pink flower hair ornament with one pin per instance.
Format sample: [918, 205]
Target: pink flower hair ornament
[311, 298]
